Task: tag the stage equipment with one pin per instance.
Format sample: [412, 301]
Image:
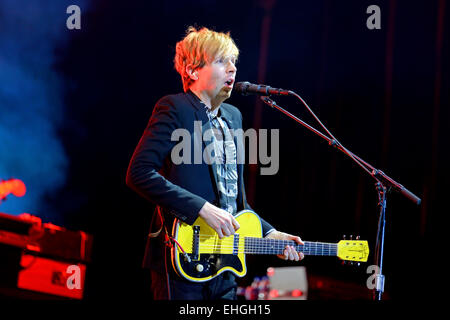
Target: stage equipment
[42, 260]
[14, 186]
[287, 283]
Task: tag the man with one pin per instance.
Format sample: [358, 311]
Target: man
[215, 190]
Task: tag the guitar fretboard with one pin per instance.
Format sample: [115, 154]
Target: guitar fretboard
[273, 246]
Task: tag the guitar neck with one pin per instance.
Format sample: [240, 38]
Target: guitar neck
[274, 246]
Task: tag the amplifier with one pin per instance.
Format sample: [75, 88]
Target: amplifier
[51, 276]
[42, 257]
[28, 232]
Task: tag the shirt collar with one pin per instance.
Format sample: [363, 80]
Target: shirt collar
[211, 114]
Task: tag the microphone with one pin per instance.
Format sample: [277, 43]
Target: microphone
[246, 88]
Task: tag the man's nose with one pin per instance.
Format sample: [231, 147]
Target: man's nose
[231, 67]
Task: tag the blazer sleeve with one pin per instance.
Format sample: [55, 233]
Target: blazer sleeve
[148, 158]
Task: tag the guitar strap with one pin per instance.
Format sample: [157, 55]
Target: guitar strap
[167, 243]
[155, 234]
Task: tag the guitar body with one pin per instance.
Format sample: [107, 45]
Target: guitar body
[209, 255]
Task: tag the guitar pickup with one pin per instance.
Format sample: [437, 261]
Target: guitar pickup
[236, 244]
[195, 243]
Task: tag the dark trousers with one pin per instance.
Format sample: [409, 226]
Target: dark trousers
[222, 287]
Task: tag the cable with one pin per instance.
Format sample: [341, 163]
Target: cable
[186, 257]
[169, 296]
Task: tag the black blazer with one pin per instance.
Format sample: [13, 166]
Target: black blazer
[179, 190]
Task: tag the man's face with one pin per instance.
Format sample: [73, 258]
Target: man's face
[216, 79]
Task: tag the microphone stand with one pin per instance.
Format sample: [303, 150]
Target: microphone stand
[383, 184]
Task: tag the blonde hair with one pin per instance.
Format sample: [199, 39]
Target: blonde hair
[200, 47]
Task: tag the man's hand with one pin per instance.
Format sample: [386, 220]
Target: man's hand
[289, 252]
[220, 220]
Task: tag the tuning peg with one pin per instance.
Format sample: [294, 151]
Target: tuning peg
[357, 237]
[344, 262]
[344, 237]
[351, 237]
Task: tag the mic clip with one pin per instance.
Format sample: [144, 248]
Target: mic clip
[268, 101]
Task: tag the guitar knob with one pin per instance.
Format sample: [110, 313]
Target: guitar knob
[199, 267]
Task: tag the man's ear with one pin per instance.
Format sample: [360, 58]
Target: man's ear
[193, 74]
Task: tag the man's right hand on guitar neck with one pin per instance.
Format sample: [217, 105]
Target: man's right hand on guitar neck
[220, 220]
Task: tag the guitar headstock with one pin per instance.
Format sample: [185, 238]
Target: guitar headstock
[353, 250]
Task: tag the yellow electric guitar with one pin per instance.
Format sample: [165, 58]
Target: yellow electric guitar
[199, 255]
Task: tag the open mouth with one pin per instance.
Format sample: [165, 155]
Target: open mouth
[229, 82]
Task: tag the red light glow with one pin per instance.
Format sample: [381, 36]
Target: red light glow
[273, 293]
[297, 293]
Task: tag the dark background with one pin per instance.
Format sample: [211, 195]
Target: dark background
[383, 93]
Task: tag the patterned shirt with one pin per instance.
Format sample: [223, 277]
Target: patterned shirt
[225, 160]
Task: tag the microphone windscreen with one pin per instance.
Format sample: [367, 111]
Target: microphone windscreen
[241, 87]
